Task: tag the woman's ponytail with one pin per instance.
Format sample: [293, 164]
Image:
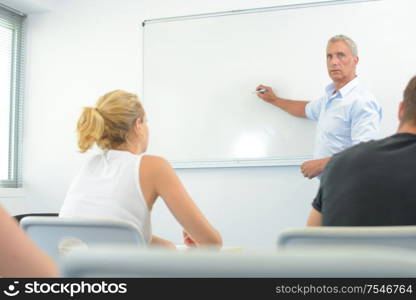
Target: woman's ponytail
[90, 128]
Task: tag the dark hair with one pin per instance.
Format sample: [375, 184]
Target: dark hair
[409, 101]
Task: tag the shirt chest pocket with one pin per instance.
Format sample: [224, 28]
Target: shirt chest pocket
[336, 126]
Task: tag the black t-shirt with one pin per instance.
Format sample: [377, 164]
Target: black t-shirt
[370, 184]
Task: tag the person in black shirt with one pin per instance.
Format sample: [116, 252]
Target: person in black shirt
[373, 183]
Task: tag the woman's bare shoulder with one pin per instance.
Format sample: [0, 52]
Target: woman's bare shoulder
[153, 163]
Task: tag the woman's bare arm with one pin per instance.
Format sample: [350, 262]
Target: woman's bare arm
[157, 175]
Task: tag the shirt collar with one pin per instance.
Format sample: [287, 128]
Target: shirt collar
[344, 91]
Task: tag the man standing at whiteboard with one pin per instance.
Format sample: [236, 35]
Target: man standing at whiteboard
[347, 113]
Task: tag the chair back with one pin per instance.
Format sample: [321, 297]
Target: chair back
[371, 236]
[56, 236]
[21, 216]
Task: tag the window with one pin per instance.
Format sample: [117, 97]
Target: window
[11, 67]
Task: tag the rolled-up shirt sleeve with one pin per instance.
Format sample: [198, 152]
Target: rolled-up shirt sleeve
[313, 109]
[365, 120]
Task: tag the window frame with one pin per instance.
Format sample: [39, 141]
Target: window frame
[15, 20]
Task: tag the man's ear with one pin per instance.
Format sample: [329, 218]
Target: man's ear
[401, 111]
[356, 59]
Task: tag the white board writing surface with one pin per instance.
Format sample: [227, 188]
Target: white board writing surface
[200, 72]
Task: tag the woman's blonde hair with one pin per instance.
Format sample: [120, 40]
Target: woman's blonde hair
[109, 122]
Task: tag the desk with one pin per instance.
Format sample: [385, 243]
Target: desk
[223, 249]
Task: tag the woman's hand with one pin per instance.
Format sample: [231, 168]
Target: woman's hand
[187, 240]
[159, 242]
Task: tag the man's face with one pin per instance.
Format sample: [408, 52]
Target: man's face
[340, 62]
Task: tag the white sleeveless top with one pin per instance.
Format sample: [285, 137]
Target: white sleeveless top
[108, 186]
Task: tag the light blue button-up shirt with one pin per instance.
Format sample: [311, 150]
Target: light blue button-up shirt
[345, 118]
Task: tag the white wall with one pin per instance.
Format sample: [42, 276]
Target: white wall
[80, 49]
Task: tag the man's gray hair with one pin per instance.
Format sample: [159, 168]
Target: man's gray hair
[350, 43]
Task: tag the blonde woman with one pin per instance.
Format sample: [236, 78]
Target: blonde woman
[19, 256]
[122, 182]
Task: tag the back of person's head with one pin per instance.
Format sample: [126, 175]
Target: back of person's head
[109, 123]
[409, 103]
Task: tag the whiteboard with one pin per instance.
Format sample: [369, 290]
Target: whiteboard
[200, 71]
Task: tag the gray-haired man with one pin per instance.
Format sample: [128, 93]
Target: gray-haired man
[347, 114]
